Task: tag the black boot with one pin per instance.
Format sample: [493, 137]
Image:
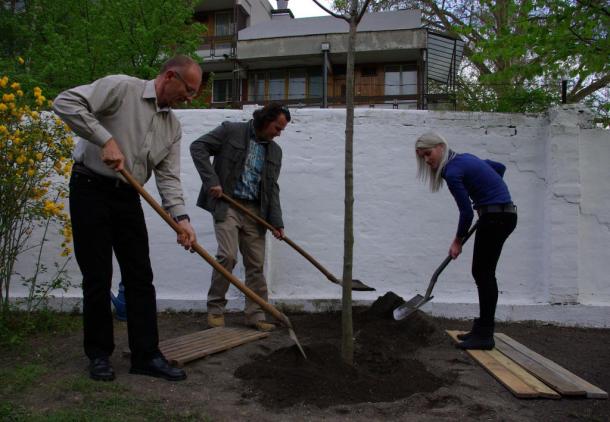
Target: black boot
[482, 338]
[100, 369]
[157, 367]
[466, 336]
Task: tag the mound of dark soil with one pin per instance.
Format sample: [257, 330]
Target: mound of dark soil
[384, 367]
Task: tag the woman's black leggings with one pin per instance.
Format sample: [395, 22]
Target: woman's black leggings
[492, 231]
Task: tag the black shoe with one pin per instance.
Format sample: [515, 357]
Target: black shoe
[158, 367]
[100, 369]
[466, 336]
[481, 338]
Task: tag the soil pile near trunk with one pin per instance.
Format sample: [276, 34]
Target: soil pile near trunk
[384, 368]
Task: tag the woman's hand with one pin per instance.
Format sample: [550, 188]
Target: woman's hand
[456, 248]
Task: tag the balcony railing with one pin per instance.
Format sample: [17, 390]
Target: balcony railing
[217, 46]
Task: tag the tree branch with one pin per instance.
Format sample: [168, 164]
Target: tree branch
[364, 7]
[591, 88]
[480, 66]
[336, 15]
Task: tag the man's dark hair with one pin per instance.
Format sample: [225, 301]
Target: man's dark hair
[179, 61]
[264, 116]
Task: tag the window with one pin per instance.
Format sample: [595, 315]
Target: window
[256, 86]
[296, 84]
[368, 71]
[277, 90]
[400, 80]
[285, 84]
[314, 89]
[223, 24]
[339, 69]
[222, 91]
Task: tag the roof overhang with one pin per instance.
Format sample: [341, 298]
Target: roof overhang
[371, 47]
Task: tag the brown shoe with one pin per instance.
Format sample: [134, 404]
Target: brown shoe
[263, 326]
[216, 320]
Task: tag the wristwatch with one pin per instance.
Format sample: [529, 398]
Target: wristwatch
[179, 218]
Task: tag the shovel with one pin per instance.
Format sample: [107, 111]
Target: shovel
[356, 284]
[270, 309]
[418, 300]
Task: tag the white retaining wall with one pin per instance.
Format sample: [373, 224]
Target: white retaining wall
[553, 268]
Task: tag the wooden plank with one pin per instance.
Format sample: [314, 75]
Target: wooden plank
[211, 332]
[180, 357]
[188, 355]
[202, 338]
[545, 369]
[541, 388]
[508, 379]
[553, 379]
[183, 349]
[206, 343]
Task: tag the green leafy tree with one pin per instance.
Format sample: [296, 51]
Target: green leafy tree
[518, 50]
[72, 42]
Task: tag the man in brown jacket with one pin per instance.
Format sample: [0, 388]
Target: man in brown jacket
[246, 167]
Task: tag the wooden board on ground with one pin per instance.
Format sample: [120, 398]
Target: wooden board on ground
[514, 378]
[186, 348]
[554, 375]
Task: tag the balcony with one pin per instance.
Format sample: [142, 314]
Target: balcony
[216, 47]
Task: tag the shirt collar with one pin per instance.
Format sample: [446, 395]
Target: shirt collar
[451, 155]
[253, 134]
[151, 94]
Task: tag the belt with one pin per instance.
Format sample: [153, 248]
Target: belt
[509, 208]
[81, 169]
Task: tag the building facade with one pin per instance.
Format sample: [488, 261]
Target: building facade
[256, 54]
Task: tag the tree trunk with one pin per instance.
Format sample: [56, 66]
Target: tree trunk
[347, 337]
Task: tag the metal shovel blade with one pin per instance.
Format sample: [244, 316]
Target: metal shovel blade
[409, 307]
[293, 336]
[361, 287]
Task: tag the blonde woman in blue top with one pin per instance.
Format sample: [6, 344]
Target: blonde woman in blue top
[474, 183]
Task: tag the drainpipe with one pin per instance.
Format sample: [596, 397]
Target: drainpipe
[325, 47]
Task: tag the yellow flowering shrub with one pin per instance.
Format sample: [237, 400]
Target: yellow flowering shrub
[34, 167]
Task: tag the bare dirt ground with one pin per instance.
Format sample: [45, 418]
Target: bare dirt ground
[405, 370]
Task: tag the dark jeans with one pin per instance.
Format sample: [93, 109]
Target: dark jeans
[493, 230]
[107, 217]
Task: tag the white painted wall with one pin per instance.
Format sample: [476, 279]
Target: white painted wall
[553, 267]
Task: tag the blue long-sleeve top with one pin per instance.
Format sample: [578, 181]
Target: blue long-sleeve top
[471, 179]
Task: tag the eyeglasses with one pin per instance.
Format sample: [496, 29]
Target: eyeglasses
[189, 91]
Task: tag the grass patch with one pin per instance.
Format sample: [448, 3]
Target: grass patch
[86, 386]
[119, 407]
[17, 326]
[83, 399]
[16, 380]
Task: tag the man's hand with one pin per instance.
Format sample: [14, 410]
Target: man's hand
[456, 248]
[215, 191]
[112, 155]
[187, 237]
[278, 233]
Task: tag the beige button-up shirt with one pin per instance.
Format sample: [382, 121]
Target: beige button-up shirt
[125, 108]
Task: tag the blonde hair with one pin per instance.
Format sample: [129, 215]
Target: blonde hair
[425, 173]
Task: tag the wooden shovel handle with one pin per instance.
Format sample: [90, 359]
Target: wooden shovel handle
[296, 247]
[205, 255]
[447, 260]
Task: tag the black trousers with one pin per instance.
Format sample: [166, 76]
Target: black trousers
[108, 217]
[492, 232]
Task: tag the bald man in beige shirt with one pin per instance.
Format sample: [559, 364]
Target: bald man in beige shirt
[125, 122]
